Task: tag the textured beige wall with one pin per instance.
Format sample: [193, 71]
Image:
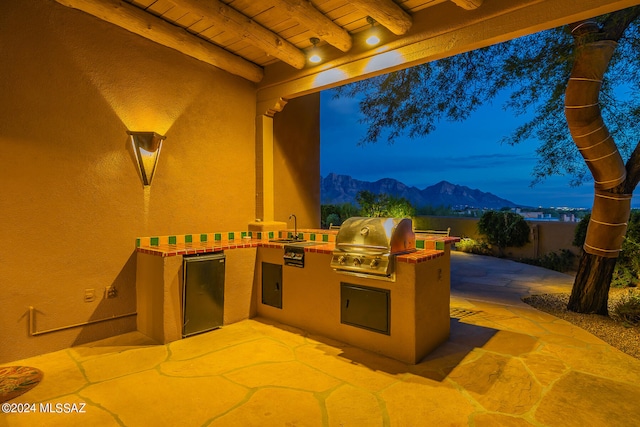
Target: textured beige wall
[296, 162]
[551, 236]
[72, 203]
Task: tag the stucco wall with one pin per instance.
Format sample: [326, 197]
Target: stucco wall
[546, 237]
[296, 162]
[72, 202]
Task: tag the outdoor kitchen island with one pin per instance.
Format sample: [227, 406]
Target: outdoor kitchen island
[410, 316]
[405, 318]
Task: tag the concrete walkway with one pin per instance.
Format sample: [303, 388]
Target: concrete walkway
[506, 364]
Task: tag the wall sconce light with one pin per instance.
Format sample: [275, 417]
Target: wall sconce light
[314, 55]
[146, 147]
[373, 38]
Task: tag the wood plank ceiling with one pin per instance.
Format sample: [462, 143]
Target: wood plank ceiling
[256, 39]
[265, 31]
[244, 36]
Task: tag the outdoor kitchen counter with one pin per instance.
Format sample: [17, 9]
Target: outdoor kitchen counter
[313, 299]
[310, 296]
[428, 246]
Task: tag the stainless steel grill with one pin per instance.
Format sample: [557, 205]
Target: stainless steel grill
[368, 246]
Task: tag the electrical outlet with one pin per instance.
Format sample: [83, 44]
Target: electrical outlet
[110, 292]
[89, 295]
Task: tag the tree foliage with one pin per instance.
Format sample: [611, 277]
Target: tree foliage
[336, 214]
[591, 65]
[628, 266]
[383, 205]
[533, 70]
[504, 229]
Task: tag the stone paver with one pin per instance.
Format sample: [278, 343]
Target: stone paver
[505, 363]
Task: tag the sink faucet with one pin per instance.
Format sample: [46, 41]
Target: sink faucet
[295, 226]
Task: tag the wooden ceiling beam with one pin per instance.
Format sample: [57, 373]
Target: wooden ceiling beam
[386, 13]
[468, 4]
[305, 14]
[231, 20]
[142, 23]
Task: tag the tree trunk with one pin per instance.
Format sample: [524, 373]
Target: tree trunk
[610, 213]
[590, 293]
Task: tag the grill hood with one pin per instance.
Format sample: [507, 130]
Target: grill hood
[366, 247]
[376, 236]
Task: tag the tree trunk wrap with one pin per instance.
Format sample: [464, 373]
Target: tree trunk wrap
[608, 224]
[582, 110]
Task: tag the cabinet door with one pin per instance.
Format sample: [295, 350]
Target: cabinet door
[365, 307]
[272, 284]
[203, 293]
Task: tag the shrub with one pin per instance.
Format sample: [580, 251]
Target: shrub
[580, 233]
[628, 265]
[473, 246]
[628, 308]
[336, 214]
[561, 262]
[622, 278]
[627, 271]
[333, 218]
[504, 229]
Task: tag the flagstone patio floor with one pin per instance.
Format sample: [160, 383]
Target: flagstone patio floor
[505, 364]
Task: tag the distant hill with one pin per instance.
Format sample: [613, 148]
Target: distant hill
[337, 189]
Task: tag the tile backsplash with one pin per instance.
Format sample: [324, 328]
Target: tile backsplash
[328, 236]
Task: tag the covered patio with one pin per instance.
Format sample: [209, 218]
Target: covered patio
[504, 364]
[238, 104]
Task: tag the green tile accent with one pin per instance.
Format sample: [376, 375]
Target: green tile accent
[325, 237]
[172, 240]
[271, 234]
[440, 246]
[203, 237]
[217, 236]
[259, 234]
[243, 234]
[231, 235]
[137, 243]
[155, 241]
[419, 244]
[312, 237]
[188, 238]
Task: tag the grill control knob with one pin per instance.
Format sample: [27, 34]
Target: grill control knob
[357, 262]
[342, 260]
[374, 263]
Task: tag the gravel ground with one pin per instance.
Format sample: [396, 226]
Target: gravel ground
[613, 330]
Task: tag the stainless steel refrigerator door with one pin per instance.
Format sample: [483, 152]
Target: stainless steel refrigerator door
[203, 293]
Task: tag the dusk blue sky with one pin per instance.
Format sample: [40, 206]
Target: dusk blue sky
[466, 153]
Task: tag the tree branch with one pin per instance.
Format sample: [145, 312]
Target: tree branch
[617, 22]
[633, 171]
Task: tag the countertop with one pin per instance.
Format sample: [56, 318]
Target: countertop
[428, 246]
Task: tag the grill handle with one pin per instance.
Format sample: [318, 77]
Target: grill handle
[361, 247]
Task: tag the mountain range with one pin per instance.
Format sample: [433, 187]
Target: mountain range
[337, 189]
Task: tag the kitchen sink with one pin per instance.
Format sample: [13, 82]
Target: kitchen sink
[297, 242]
[286, 240]
[305, 243]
